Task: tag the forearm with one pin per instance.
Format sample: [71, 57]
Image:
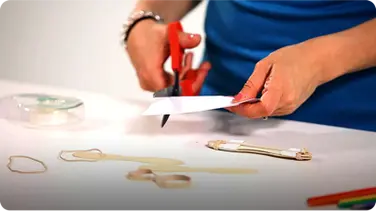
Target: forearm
[169, 10]
[351, 50]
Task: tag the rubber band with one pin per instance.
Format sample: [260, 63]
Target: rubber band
[141, 175]
[173, 181]
[9, 165]
[165, 181]
[79, 160]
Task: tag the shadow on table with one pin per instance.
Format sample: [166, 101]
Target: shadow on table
[209, 122]
[327, 142]
[331, 141]
[85, 126]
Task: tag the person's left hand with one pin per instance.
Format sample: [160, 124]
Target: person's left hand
[286, 78]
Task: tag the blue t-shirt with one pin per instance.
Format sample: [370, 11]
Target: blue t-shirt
[241, 33]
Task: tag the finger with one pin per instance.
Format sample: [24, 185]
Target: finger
[188, 40]
[272, 96]
[267, 106]
[154, 79]
[269, 102]
[256, 110]
[280, 112]
[255, 82]
[266, 85]
[188, 60]
[168, 79]
[146, 83]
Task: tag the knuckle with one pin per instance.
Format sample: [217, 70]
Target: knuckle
[290, 100]
[268, 111]
[144, 86]
[261, 64]
[249, 84]
[290, 110]
[290, 107]
[258, 65]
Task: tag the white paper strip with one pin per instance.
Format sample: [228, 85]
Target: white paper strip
[182, 105]
[229, 146]
[288, 153]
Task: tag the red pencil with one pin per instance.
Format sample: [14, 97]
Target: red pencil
[335, 198]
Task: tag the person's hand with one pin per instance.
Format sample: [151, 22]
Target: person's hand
[148, 49]
[286, 78]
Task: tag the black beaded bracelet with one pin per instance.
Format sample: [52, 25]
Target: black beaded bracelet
[136, 18]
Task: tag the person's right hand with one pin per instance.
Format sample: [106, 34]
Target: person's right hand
[148, 49]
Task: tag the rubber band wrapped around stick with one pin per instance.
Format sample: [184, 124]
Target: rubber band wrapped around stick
[9, 165]
[79, 160]
[241, 146]
[163, 181]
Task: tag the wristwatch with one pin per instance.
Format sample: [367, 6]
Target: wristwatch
[136, 17]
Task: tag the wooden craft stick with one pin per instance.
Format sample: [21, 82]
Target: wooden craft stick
[98, 155]
[348, 203]
[88, 155]
[335, 198]
[154, 164]
[165, 181]
[241, 146]
[175, 168]
[25, 172]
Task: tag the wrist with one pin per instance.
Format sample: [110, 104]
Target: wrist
[328, 56]
[347, 52]
[136, 18]
[140, 28]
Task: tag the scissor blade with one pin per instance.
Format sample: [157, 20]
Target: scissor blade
[175, 93]
[164, 119]
[163, 93]
[166, 92]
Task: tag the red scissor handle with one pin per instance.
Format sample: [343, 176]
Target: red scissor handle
[176, 51]
[177, 54]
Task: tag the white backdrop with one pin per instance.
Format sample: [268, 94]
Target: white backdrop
[73, 44]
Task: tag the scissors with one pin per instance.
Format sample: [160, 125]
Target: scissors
[183, 87]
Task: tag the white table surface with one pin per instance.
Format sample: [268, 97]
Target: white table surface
[342, 159]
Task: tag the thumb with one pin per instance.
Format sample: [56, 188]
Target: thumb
[188, 40]
[255, 83]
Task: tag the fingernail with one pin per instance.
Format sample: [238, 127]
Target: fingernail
[238, 98]
[192, 36]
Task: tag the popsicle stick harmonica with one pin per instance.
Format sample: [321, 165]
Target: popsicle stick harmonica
[241, 146]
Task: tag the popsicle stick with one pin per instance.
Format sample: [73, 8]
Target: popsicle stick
[172, 168]
[241, 146]
[154, 163]
[86, 155]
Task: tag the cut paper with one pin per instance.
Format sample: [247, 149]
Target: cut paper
[191, 104]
